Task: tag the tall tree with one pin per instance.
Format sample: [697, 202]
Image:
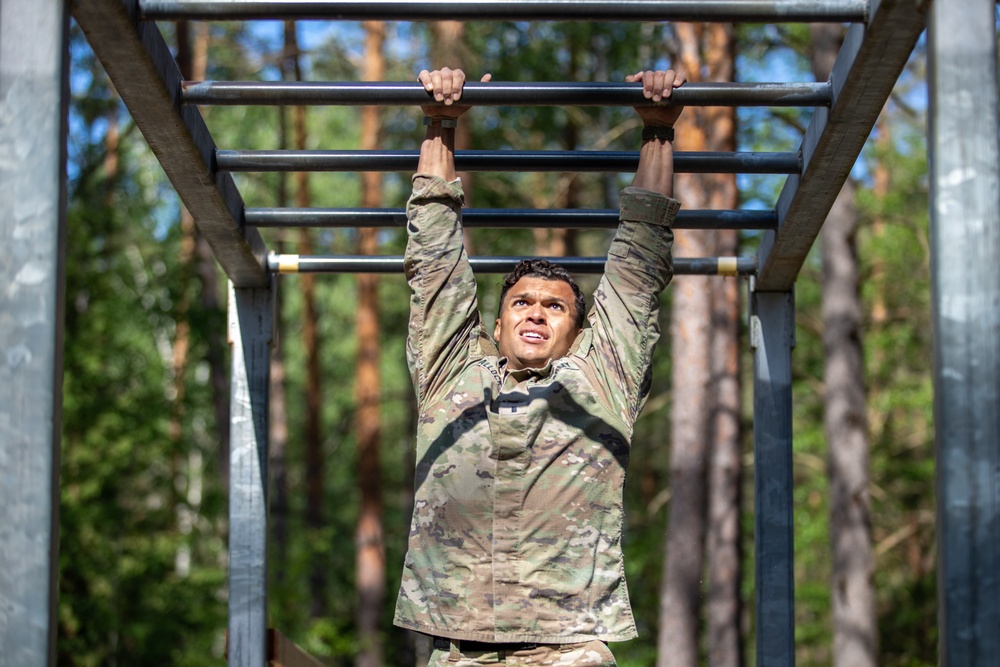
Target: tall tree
[315, 486]
[703, 51]
[192, 59]
[723, 602]
[278, 404]
[198, 261]
[855, 625]
[369, 537]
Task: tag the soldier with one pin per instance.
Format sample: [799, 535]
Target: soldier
[523, 438]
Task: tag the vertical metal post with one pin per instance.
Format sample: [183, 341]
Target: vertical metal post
[251, 324]
[33, 98]
[965, 253]
[772, 337]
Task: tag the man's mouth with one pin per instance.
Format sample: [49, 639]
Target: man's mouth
[532, 335]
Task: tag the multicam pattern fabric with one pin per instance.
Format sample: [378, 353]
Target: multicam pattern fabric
[517, 521]
[587, 654]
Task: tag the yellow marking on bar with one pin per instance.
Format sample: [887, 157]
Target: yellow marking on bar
[728, 266]
[288, 263]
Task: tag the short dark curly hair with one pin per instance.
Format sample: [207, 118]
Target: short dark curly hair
[542, 268]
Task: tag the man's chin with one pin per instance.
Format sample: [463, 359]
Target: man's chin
[531, 360]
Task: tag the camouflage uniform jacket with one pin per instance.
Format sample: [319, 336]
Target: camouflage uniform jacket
[517, 520]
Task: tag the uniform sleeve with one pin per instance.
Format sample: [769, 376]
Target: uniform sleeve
[444, 317]
[624, 318]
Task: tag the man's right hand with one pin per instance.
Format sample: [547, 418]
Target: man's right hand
[445, 86]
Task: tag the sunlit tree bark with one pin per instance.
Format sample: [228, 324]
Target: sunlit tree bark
[681, 596]
[855, 624]
[724, 645]
[705, 414]
[369, 537]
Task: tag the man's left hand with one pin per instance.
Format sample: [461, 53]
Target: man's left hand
[657, 86]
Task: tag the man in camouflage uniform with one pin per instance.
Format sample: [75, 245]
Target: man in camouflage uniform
[523, 437]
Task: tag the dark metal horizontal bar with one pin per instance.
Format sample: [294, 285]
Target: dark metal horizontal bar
[509, 161]
[501, 218]
[708, 266]
[502, 94]
[759, 11]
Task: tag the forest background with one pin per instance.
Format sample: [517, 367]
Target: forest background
[145, 419]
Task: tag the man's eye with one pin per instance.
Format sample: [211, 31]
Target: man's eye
[557, 306]
[519, 302]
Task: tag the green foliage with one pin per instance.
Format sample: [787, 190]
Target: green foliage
[140, 555]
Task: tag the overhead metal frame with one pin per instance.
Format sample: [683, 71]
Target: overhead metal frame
[148, 80]
[870, 60]
[882, 37]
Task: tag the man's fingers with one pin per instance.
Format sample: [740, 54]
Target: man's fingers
[444, 84]
[452, 81]
[486, 78]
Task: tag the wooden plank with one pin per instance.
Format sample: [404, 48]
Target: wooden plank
[282, 652]
[147, 78]
[866, 70]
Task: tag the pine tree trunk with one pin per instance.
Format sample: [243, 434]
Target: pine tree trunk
[369, 538]
[723, 603]
[681, 594]
[854, 616]
[315, 488]
[192, 60]
[277, 405]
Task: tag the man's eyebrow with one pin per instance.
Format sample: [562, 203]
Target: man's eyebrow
[531, 295]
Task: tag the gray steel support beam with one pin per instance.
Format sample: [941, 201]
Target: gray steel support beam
[147, 78]
[765, 11]
[869, 63]
[503, 218]
[503, 93]
[772, 337]
[705, 266]
[965, 253]
[251, 326]
[690, 162]
[33, 102]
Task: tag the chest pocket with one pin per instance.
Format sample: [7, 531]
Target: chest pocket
[512, 405]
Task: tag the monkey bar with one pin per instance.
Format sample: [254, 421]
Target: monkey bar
[503, 218]
[965, 224]
[703, 266]
[761, 11]
[533, 161]
[502, 93]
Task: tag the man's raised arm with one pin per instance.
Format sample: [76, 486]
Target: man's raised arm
[626, 303]
[443, 308]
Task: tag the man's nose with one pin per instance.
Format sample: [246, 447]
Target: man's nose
[536, 313]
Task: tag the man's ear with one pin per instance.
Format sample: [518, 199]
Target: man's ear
[496, 330]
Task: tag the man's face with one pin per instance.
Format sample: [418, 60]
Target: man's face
[537, 322]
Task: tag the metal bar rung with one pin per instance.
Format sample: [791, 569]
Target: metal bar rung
[502, 93]
[505, 161]
[705, 266]
[756, 11]
[501, 218]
